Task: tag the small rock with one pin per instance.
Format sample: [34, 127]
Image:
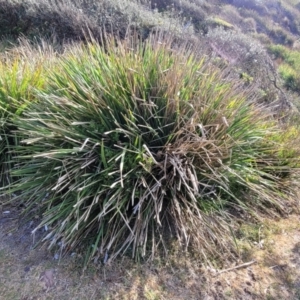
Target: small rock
[47, 278]
[27, 269]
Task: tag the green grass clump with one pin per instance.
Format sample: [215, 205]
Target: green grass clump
[18, 79]
[290, 56]
[290, 76]
[131, 144]
[279, 51]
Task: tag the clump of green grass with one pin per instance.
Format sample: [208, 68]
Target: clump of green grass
[290, 76]
[18, 79]
[135, 143]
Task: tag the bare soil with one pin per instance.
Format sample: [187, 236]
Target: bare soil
[272, 251]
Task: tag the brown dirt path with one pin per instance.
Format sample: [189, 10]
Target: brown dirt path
[27, 273]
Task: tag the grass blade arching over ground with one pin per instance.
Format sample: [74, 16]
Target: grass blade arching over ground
[136, 143]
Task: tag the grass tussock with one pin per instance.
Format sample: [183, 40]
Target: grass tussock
[128, 147]
[19, 78]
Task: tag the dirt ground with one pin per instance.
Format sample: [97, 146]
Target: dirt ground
[269, 269]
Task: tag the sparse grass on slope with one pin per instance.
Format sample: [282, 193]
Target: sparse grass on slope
[73, 20]
[289, 64]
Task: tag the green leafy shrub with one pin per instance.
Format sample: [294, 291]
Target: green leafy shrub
[131, 145]
[290, 76]
[289, 67]
[279, 51]
[293, 58]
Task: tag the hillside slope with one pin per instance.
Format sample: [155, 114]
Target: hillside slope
[239, 32]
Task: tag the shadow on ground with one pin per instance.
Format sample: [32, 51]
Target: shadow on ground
[36, 273]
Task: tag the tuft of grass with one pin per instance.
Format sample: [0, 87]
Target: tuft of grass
[290, 76]
[218, 22]
[136, 143]
[18, 79]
